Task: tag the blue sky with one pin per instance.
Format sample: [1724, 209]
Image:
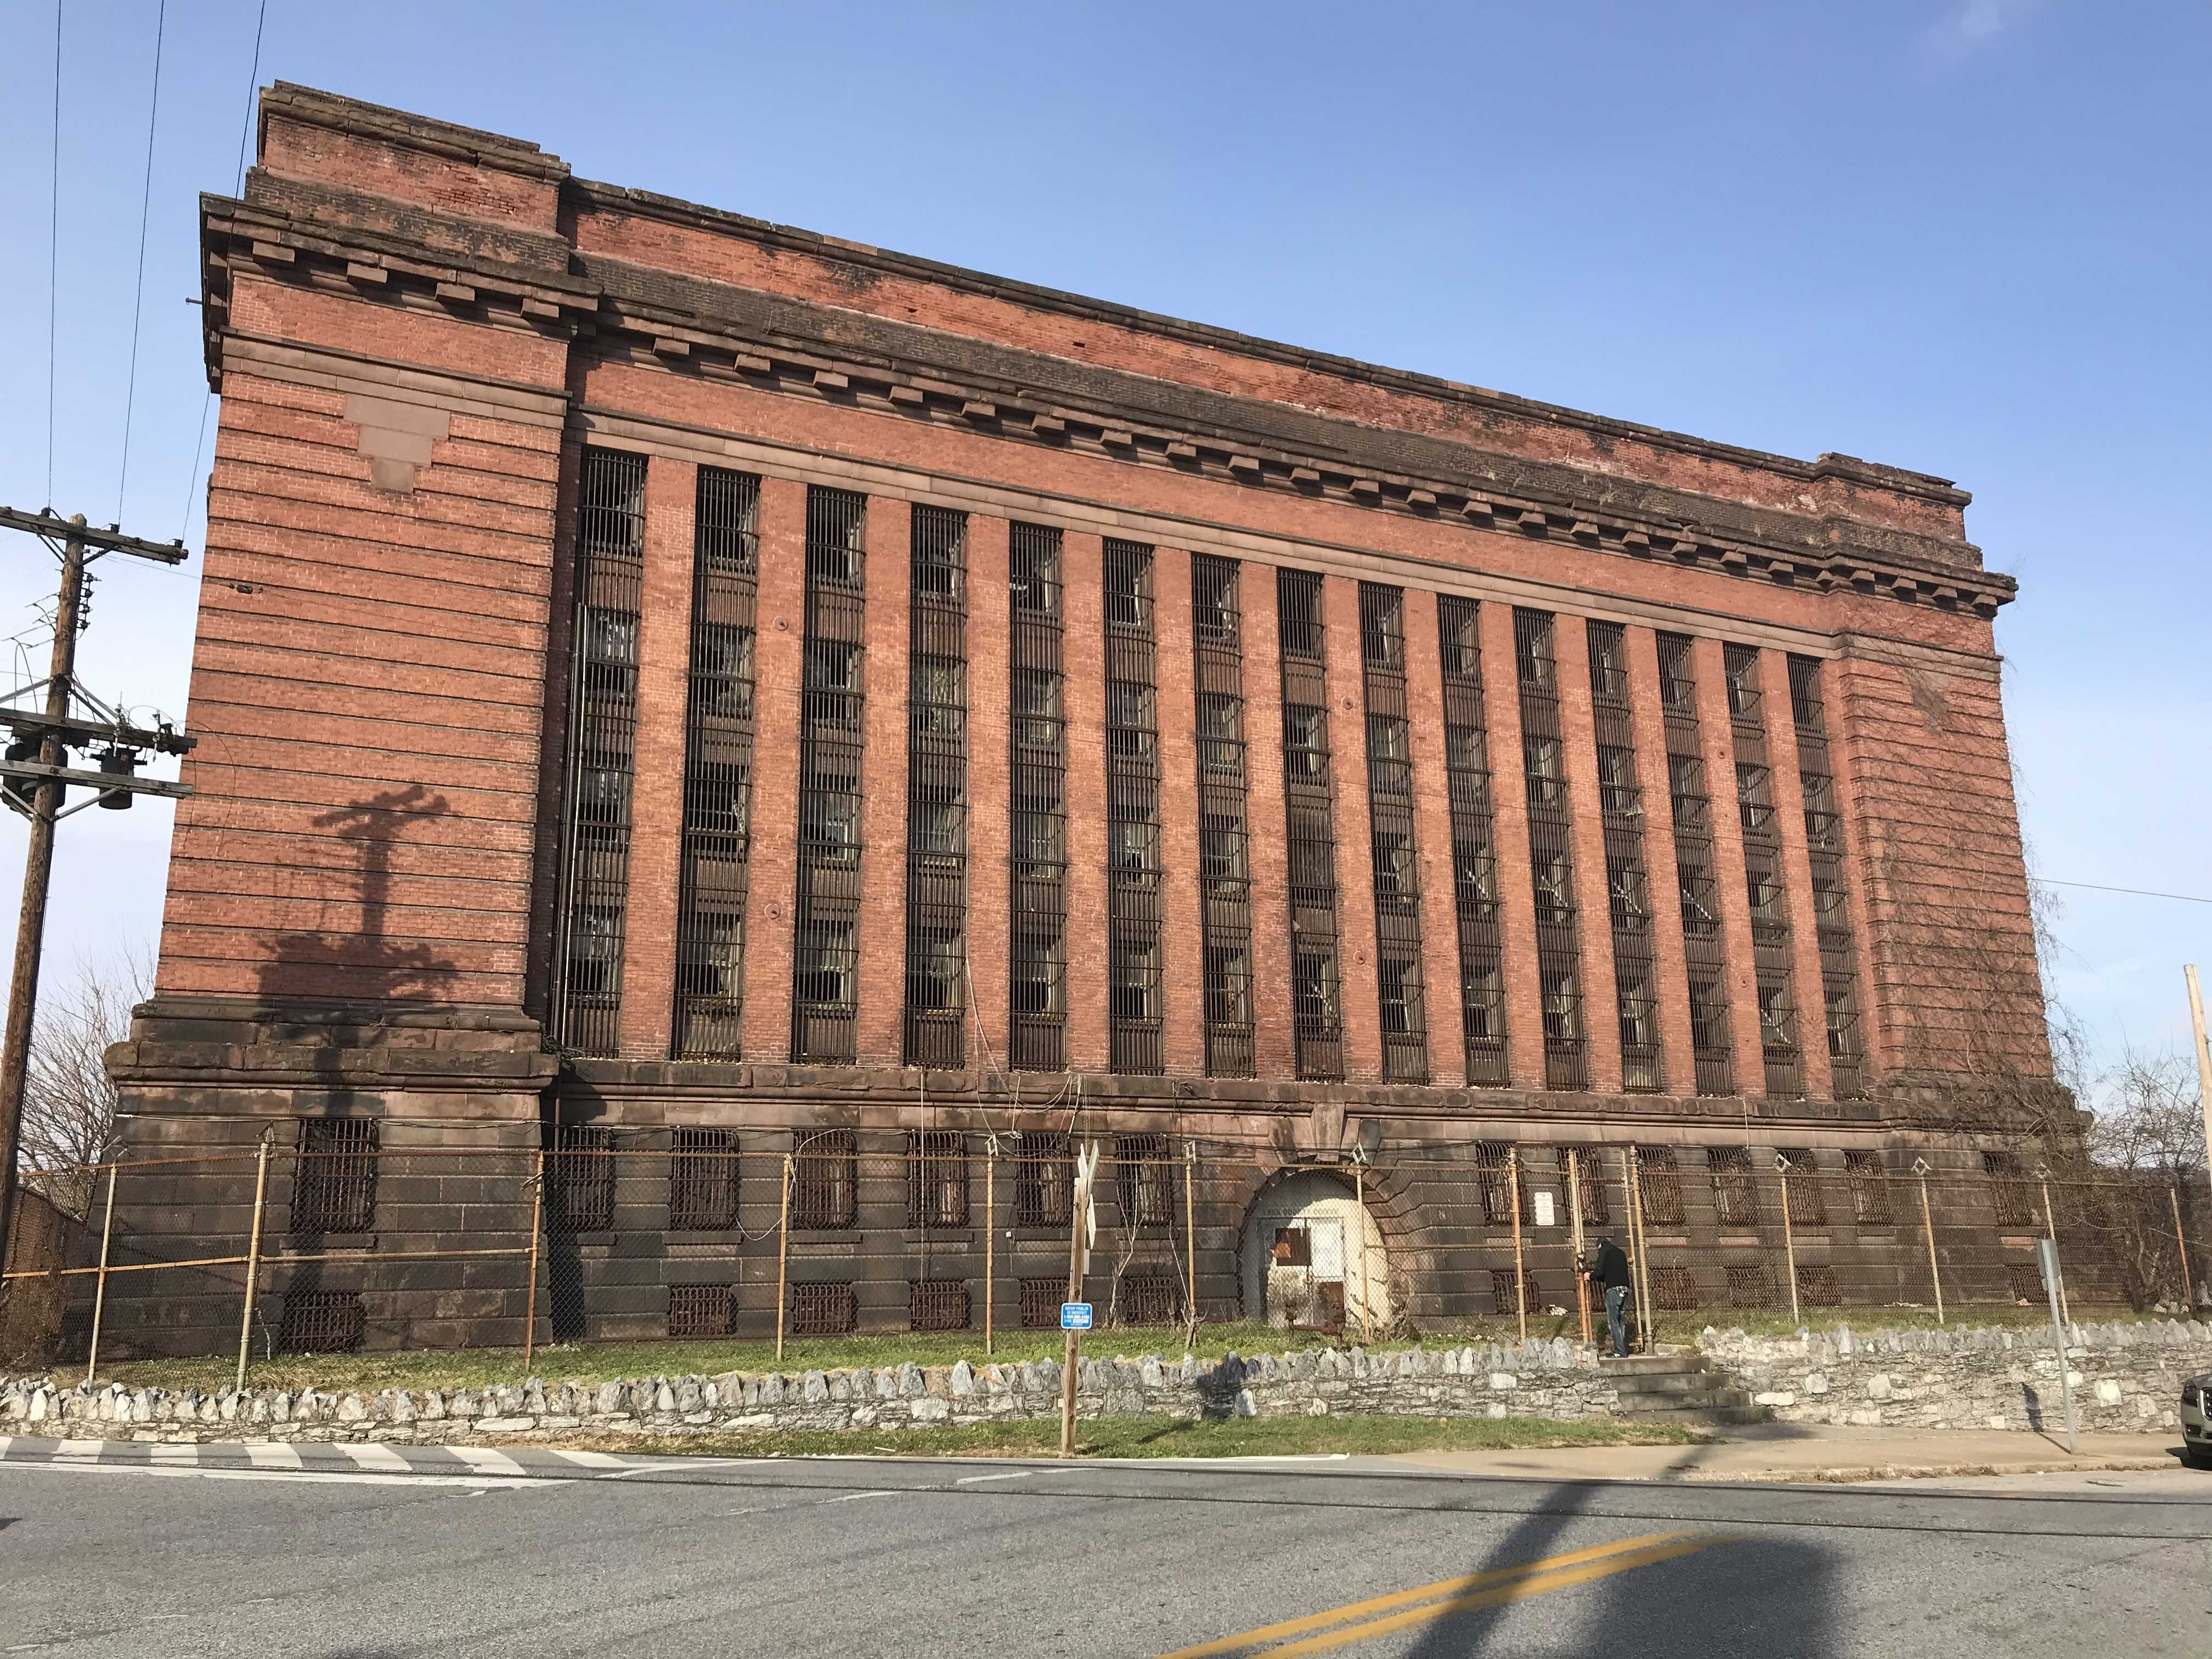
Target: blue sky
[1965, 236]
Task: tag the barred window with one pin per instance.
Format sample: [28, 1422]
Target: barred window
[822, 1309]
[1659, 1181]
[1038, 807]
[1807, 1208]
[702, 1180]
[702, 1310]
[824, 989]
[936, 1179]
[2008, 1189]
[824, 1180]
[1734, 1202]
[1044, 1184]
[936, 1304]
[1144, 1180]
[334, 1175]
[579, 1181]
[1869, 1190]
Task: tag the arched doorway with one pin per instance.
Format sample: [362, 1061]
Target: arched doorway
[1314, 1258]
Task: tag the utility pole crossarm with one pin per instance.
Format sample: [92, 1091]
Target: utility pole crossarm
[109, 540]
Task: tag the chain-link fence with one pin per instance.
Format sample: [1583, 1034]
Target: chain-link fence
[323, 1239]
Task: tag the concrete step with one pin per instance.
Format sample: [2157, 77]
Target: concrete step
[1653, 1365]
[1700, 1416]
[1651, 1382]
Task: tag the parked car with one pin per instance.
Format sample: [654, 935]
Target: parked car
[2196, 1426]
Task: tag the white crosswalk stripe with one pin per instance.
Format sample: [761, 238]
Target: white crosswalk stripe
[275, 1454]
[371, 1457]
[485, 1459]
[590, 1459]
[186, 1453]
[80, 1448]
[6, 1441]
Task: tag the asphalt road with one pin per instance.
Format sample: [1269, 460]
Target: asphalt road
[360, 1555]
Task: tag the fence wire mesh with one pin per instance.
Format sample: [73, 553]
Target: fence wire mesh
[334, 1241]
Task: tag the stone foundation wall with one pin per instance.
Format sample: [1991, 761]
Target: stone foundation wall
[2124, 1376]
[1540, 1379]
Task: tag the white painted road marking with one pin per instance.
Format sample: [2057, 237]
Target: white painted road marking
[373, 1457]
[273, 1455]
[324, 1477]
[170, 1451]
[590, 1459]
[978, 1480]
[855, 1497]
[485, 1459]
[84, 1449]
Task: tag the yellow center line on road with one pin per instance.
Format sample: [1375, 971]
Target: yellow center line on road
[1494, 1588]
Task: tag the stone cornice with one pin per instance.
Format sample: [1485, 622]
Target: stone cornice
[681, 326]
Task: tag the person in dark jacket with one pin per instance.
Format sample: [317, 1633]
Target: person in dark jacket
[1609, 1270]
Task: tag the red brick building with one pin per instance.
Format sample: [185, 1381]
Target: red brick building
[659, 671]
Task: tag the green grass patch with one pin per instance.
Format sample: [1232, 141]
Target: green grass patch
[1161, 1437]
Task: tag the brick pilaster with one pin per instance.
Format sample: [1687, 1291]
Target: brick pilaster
[1432, 840]
[1578, 738]
[990, 693]
[1716, 734]
[772, 878]
[663, 679]
[1669, 966]
[1361, 988]
[881, 934]
[1084, 693]
[1265, 812]
[1517, 897]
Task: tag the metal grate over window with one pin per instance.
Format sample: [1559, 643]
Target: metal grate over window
[1040, 1300]
[1144, 1180]
[1775, 976]
[1627, 885]
[936, 1179]
[585, 1004]
[1044, 1181]
[825, 1181]
[1309, 803]
[334, 1176]
[1395, 852]
[822, 1309]
[1133, 813]
[1870, 1183]
[1223, 824]
[1735, 1204]
[825, 969]
[702, 1310]
[937, 792]
[1712, 1046]
[1474, 841]
[936, 1304]
[322, 1321]
[1831, 910]
[718, 770]
[1551, 855]
[702, 1180]
[1659, 1182]
[579, 1181]
[1037, 804]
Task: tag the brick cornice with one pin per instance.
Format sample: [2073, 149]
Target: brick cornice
[770, 342]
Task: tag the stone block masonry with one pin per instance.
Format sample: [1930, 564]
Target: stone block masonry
[2125, 1376]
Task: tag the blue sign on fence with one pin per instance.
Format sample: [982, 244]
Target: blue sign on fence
[1075, 1316]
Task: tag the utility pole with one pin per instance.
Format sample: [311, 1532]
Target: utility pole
[2203, 1084]
[35, 777]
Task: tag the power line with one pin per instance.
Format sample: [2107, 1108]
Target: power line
[145, 212]
[2139, 892]
[245, 131]
[54, 253]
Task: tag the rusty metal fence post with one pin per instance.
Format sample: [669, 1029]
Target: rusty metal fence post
[1789, 1236]
[529, 1306]
[990, 1234]
[1190, 1231]
[1574, 1232]
[253, 1249]
[1640, 1268]
[783, 1257]
[99, 1285]
[1928, 1224]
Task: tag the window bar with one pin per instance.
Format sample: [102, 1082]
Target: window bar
[1133, 811]
[1474, 841]
[937, 792]
[586, 1006]
[1762, 869]
[1627, 883]
[1712, 1047]
[1831, 911]
[1224, 869]
[1037, 804]
[1550, 854]
[1309, 794]
[1395, 852]
[718, 768]
[826, 917]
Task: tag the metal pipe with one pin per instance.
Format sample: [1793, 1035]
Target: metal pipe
[530, 1304]
[2181, 1243]
[100, 1292]
[990, 1233]
[1520, 1265]
[1575, 1230]
[1934, 1270]
[2051, 1224]
[253, 1250]
[1190, 1230]
[1366, 1302]
[1640, 1269]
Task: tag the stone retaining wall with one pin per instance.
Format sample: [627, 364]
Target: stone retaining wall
[1539, 1379]
[2124, 1376]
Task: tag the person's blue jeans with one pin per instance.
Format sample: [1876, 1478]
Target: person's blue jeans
[1616, 1317]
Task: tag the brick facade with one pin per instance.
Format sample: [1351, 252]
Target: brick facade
[420, 332]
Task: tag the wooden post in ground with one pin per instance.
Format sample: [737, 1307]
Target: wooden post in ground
[990, 1232]
[253, 1250]
[100, 1286]
[1190, 1230]
[2181, 1243]
[1574, 1232]
[1789, 1235]
[1928, 1223]
[537, 1221]
[1520, 1266]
